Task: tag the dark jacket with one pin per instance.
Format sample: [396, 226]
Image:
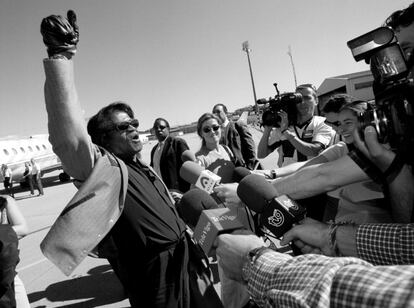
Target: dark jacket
[171, 162]
[241, 143]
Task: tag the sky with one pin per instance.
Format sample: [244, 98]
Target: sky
[177, 58]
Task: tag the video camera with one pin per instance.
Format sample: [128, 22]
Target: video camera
[392, 115]
[286, 102]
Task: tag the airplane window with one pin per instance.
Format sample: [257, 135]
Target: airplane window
[44, 146]
[37, 147]
[30, 148]
[14, 151]
[6, 152]
[21, 148]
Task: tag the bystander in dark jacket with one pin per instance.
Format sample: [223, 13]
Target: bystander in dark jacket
[166, 156]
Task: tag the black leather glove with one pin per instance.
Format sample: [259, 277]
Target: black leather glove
[60, 34]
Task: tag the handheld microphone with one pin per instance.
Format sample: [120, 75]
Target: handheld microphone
[197, 208]
[188, 156]
[204, 179]
[240, 173]
[192, 203]
[277, 213]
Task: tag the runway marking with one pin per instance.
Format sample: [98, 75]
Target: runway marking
[30, 265]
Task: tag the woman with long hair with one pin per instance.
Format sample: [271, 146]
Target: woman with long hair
[212, 155]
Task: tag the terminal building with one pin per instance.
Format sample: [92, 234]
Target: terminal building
[358, 85]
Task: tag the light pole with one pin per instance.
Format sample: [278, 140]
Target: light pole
[246, 48]
[293, 66]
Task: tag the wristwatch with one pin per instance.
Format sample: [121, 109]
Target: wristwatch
[251, 257]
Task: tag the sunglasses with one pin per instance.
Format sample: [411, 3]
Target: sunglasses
[208, 129]
[122, 126]
[337, 123]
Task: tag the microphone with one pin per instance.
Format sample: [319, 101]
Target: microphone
[240, 173]
[188, 156]
[204, 179]
[198, 208]
[277, 213]
[192, 203]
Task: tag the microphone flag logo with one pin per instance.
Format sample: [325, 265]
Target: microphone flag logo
[205, 182]
[277, 219]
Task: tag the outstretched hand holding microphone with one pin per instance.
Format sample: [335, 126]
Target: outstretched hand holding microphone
[312, 236]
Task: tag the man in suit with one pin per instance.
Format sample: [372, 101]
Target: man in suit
[166, 156]
[121, 203]
[237, 137]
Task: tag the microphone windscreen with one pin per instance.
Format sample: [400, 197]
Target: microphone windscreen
[193, 203]
[190, 171]
[188, 156]
[240, 173]
[255, 191]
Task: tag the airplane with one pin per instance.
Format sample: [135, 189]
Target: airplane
[16, 151]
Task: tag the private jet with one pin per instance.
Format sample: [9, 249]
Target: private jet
[16, 151]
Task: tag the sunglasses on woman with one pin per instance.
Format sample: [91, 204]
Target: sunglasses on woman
[208, 129]
[122, 126]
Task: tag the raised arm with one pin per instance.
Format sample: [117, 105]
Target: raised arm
[263, 148]
[312, 180]
[67, 127]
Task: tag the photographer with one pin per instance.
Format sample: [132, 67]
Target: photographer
[331, 113]
[306, 138]
[303, 135]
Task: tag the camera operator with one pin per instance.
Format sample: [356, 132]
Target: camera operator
[331, 113]
[303, 135]
[304, 139]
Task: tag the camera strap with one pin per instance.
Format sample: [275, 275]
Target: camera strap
[301, 136]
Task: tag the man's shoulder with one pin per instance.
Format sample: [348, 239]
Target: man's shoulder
[317, 120]
[241, 127]
[178, 140]
[154, 147]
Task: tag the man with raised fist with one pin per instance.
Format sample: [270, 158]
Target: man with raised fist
[121, 203]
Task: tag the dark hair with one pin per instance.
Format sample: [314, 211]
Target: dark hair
[357, 107]
[159, 120]
[205, 117]
[222, 105]
[400, 18]
[336, 102]
[101, 123]
[307, 86]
